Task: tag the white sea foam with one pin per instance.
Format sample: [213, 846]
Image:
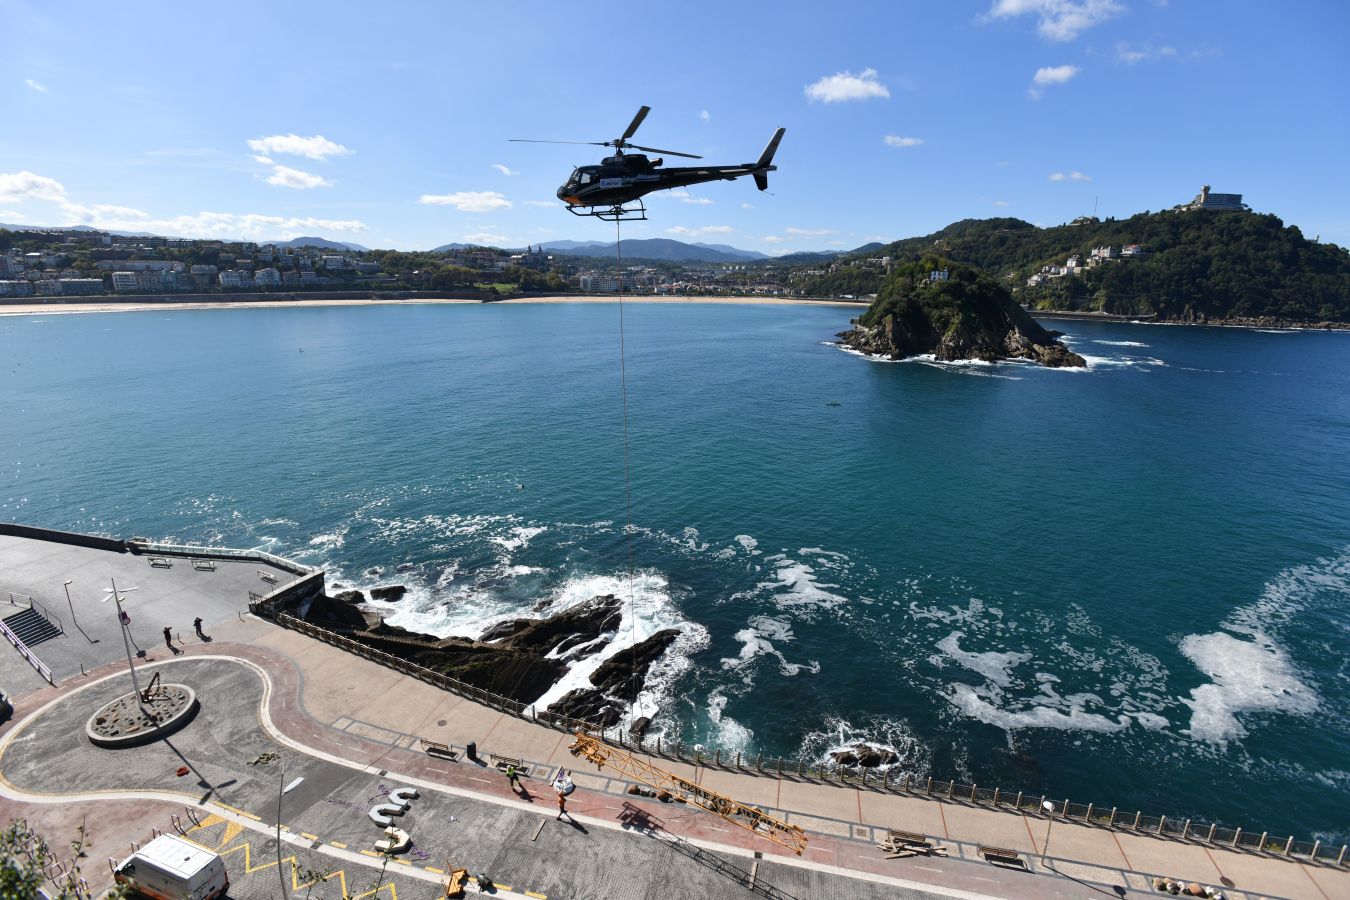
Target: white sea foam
[331, 541]
[884, 734]
[1122, 343]
[1253, 673]
[997, 667]
[1070, 714]
[747, 543]
[520, 537]
[1246, 676]
[796, 586]
[757, 640]
[1143, 362]
[728, 735]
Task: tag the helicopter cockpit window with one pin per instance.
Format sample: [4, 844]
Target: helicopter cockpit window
[584, 177]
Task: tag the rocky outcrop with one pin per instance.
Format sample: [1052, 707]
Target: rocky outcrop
[389, 593]
[349, 597]
[864, 755]
[517, 658]
[963, 315]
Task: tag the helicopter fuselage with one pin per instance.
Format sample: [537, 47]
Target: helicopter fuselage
[627, 176]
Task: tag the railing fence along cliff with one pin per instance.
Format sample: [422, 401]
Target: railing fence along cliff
[1111, 818]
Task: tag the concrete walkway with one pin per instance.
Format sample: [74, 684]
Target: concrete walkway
[347, 711]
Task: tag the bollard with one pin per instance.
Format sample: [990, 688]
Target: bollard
[951, 786]
[1213, 827]
[1018, 801]
[1340, 860]
[759, 763]
[1237, 836]
[1261, 844]
[1162, 820]
[1316, 850]
[1186, 830]
[904, 785]
[972, 794]
[1137, 817]
[1087, 818]
[995, 798]
[738, 759]
[930, 786]
[1112, 822]
[1289, 845]
[1063, 809]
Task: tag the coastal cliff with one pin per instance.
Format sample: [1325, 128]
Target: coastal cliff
[954, 312]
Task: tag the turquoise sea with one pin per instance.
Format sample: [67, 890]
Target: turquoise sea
[1126, 585]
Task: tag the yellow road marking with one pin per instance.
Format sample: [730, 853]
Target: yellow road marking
[338, 844]
[434, 869]
[306, 834]
[539, 896]
[370, 853]
[237, 811]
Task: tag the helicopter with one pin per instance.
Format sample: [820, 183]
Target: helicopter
[605, 190]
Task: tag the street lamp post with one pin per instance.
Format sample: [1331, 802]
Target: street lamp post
[122, 624]
[67, 585]
[1049, 808]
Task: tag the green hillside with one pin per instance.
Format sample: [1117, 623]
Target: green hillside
[1199, 263]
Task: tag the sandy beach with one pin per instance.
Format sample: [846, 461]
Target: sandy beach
[109, 305]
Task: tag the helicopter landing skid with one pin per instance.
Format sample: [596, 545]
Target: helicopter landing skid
[618, 213]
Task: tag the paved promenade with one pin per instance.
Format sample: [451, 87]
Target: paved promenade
[277, 706]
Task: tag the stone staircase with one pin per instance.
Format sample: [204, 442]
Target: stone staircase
[31, 627]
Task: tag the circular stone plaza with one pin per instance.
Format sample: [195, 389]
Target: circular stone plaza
[288, 748]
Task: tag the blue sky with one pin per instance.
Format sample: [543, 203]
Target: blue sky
[387, 125]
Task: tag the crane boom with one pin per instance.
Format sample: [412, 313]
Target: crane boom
[748, 817]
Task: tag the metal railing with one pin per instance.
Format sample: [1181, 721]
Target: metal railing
[223, 553]
[52, 618]
[1112, 818]
[42, 668]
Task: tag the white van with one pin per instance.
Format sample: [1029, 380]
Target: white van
[171, 868]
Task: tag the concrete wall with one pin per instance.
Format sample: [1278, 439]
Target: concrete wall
[63, 537]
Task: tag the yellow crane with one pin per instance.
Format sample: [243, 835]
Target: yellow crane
[748, 817]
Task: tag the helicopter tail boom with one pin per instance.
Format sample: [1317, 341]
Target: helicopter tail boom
[765, 163]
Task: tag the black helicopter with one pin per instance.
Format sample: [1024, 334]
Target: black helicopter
[622, 178]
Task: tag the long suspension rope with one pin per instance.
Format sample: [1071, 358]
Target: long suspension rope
[627, 477]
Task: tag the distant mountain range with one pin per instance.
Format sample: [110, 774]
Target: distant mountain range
[318, 242]
[667, 250]
[321, 243]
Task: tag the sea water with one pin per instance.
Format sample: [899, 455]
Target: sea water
[1124, 585]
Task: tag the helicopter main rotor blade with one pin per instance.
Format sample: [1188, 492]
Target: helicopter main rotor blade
[637, 120]
[667, 152]
[542, 141]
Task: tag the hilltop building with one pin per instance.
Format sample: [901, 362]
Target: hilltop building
[1206, 200]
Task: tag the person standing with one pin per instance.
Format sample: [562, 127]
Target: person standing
[562, 806]
[197, 626]
[513, 777]
[168, 637]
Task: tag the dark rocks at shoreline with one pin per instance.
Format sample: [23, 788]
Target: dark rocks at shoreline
[349, 596]
[568, 628]
[504, 630]
[616, 682]
[898, 339]
[389, 593]
[865, 756]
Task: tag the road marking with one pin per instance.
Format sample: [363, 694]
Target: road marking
[306, 834]
[338, 844]
[539, 829]
[238, 811]
[434, 869]
[370, 853]
[402, 862]
[538, 896]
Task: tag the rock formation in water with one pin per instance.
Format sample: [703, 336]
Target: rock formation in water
[516, 658]
[954, 312]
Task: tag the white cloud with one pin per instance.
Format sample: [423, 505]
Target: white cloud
[13, 216]
[548, 204]
[316, 147]
[1075, 175]
[487, 237]
[505, 170]
[810, 232]
[847, 86]
[685, 197]
[747, 206]
[33, 85]
[1131, 54]
[1058, 20]
[25, 185]
[701, 232]
[265, 160]
[1000, 202]
[895, 140]
[773, 239]
[704, 115]
[285, 176]
[468, 201]
[1048, 75]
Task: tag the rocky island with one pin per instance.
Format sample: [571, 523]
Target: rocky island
[516, 658]
[954, 312]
